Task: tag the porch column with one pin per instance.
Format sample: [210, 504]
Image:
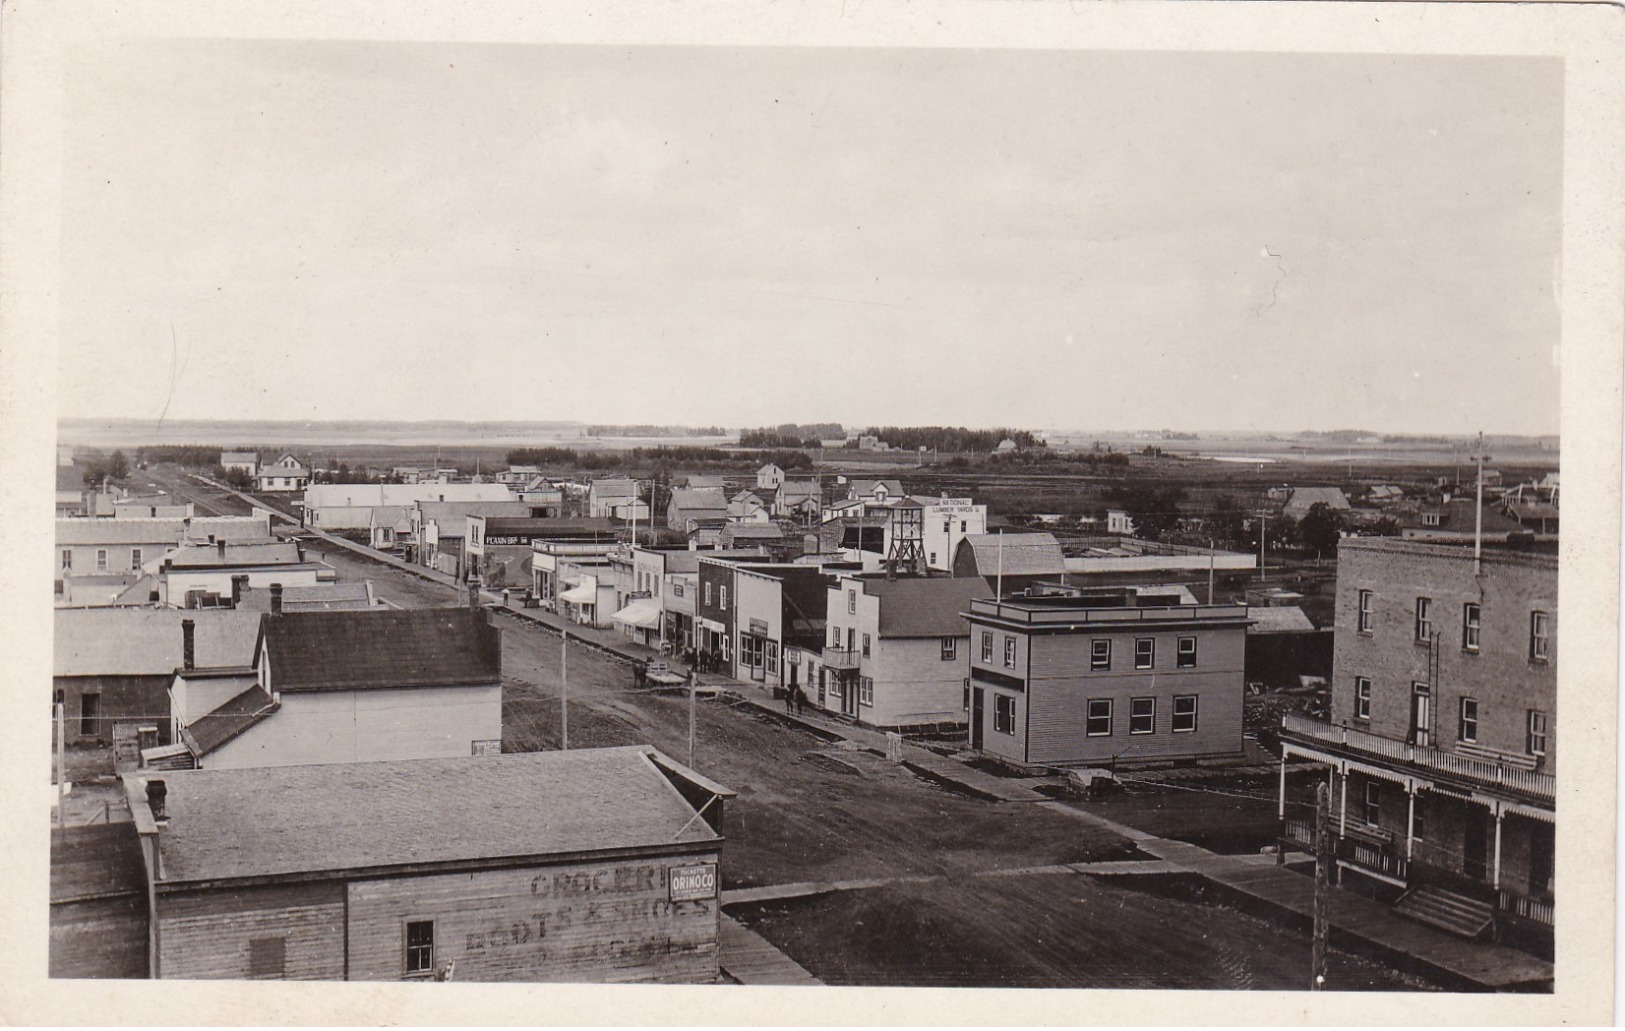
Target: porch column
[1496, 875]
[1280, 808]
[1343, 804]
[1410, 818]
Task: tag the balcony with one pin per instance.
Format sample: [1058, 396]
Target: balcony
[1477, 772]
[835, 658]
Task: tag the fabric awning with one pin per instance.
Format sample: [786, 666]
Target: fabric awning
[639, 612]
[586, 594]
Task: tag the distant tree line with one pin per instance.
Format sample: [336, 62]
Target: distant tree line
[1095, 460]
[192, 456]
[950, 438]
[114, 467]
[656, 431]
[664, 456]
[792, 435]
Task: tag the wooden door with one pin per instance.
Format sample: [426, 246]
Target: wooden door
[976, 717]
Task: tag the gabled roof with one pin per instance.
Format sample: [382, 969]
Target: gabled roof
[865, 488]
[925, 606]
[310, 598]
[1019, 554]
[148, 642]
[1305, 498]
[690, 500]
[614, 487]
[237, 553]
[698, 482]
[213, 729]
[339, 651]
[289, 820]
[762, 531]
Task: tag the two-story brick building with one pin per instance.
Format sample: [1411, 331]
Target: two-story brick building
[1443, 737]
[1064, 676]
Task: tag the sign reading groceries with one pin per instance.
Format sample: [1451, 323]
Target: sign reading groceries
[694, 882]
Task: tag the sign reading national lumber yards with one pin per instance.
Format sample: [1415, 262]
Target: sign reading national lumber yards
[693, 882]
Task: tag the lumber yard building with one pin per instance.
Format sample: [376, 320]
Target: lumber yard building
[1442, 740]
[591, 865]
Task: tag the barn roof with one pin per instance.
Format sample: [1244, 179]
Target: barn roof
[292, 820]
[1016, 554]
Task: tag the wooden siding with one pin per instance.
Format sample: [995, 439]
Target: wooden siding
[102, 937]
[142, 700]
[597, 922]
[913, 684]
[206, 934]
[1061, 684]
[364, 726]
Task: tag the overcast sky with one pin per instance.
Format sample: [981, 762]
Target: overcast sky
[750, 235]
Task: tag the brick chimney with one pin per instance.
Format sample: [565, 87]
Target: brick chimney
[188, 644]
[276, 599]
[156, 793]
[238, 582]
[221, 544]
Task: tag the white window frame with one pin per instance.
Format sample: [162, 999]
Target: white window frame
[1538, 729]
[1004, 713]
[1366, 612]
[1009, 652]
[950, 649]
[1467, 720]
[101, 560]
[851, 602]
[1139, 710]
[1362, 698]
[67, 560]
[424, 969]
[1472, 619]
[1540, 636]
[1193, 715]
[987, 646]
[866, 646]
[1091, 718]
[1185, 658]
[866, 691]
[1150, 653]
[1371, 810]
[1424, 620]
[1100, 655]
[722, 597]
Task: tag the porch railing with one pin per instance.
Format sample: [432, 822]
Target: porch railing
[835, 658]
[1537, 910]
[1538, 785]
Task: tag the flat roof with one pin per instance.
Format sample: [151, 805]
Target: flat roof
[304, 820]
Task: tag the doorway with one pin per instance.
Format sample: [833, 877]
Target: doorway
[976, 717]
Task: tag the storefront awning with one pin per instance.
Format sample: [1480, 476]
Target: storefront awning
[586, 594]
[639, 612]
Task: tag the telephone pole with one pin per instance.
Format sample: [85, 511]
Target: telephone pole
[564, 689]
[1323, 870]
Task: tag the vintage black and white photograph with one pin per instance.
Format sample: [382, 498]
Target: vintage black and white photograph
[1034, 515]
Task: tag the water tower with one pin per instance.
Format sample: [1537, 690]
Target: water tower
[905, 526]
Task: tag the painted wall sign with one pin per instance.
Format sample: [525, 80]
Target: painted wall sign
[758, 626]
[693, 882]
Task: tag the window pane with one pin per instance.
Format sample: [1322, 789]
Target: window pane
[419, 946]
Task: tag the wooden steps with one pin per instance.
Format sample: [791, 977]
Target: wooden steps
[1448, 911]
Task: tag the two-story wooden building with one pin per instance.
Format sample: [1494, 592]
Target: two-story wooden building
[1065, 676]
[1443, 736]
[897, 651]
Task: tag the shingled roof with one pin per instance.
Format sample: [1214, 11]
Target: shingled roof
[230, 719]
[291, 820]
[350, 650]
[926, 606]
[147, 642]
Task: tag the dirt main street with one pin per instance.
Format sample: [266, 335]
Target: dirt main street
[810, 810]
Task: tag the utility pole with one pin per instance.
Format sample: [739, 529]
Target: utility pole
[1263, 530]
[691, 686]
[998, 590]
[1478, 515]
[564, 689]
[1323, 869]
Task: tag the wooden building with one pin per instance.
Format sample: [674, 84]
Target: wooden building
[1064, 676]
[596, 865]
